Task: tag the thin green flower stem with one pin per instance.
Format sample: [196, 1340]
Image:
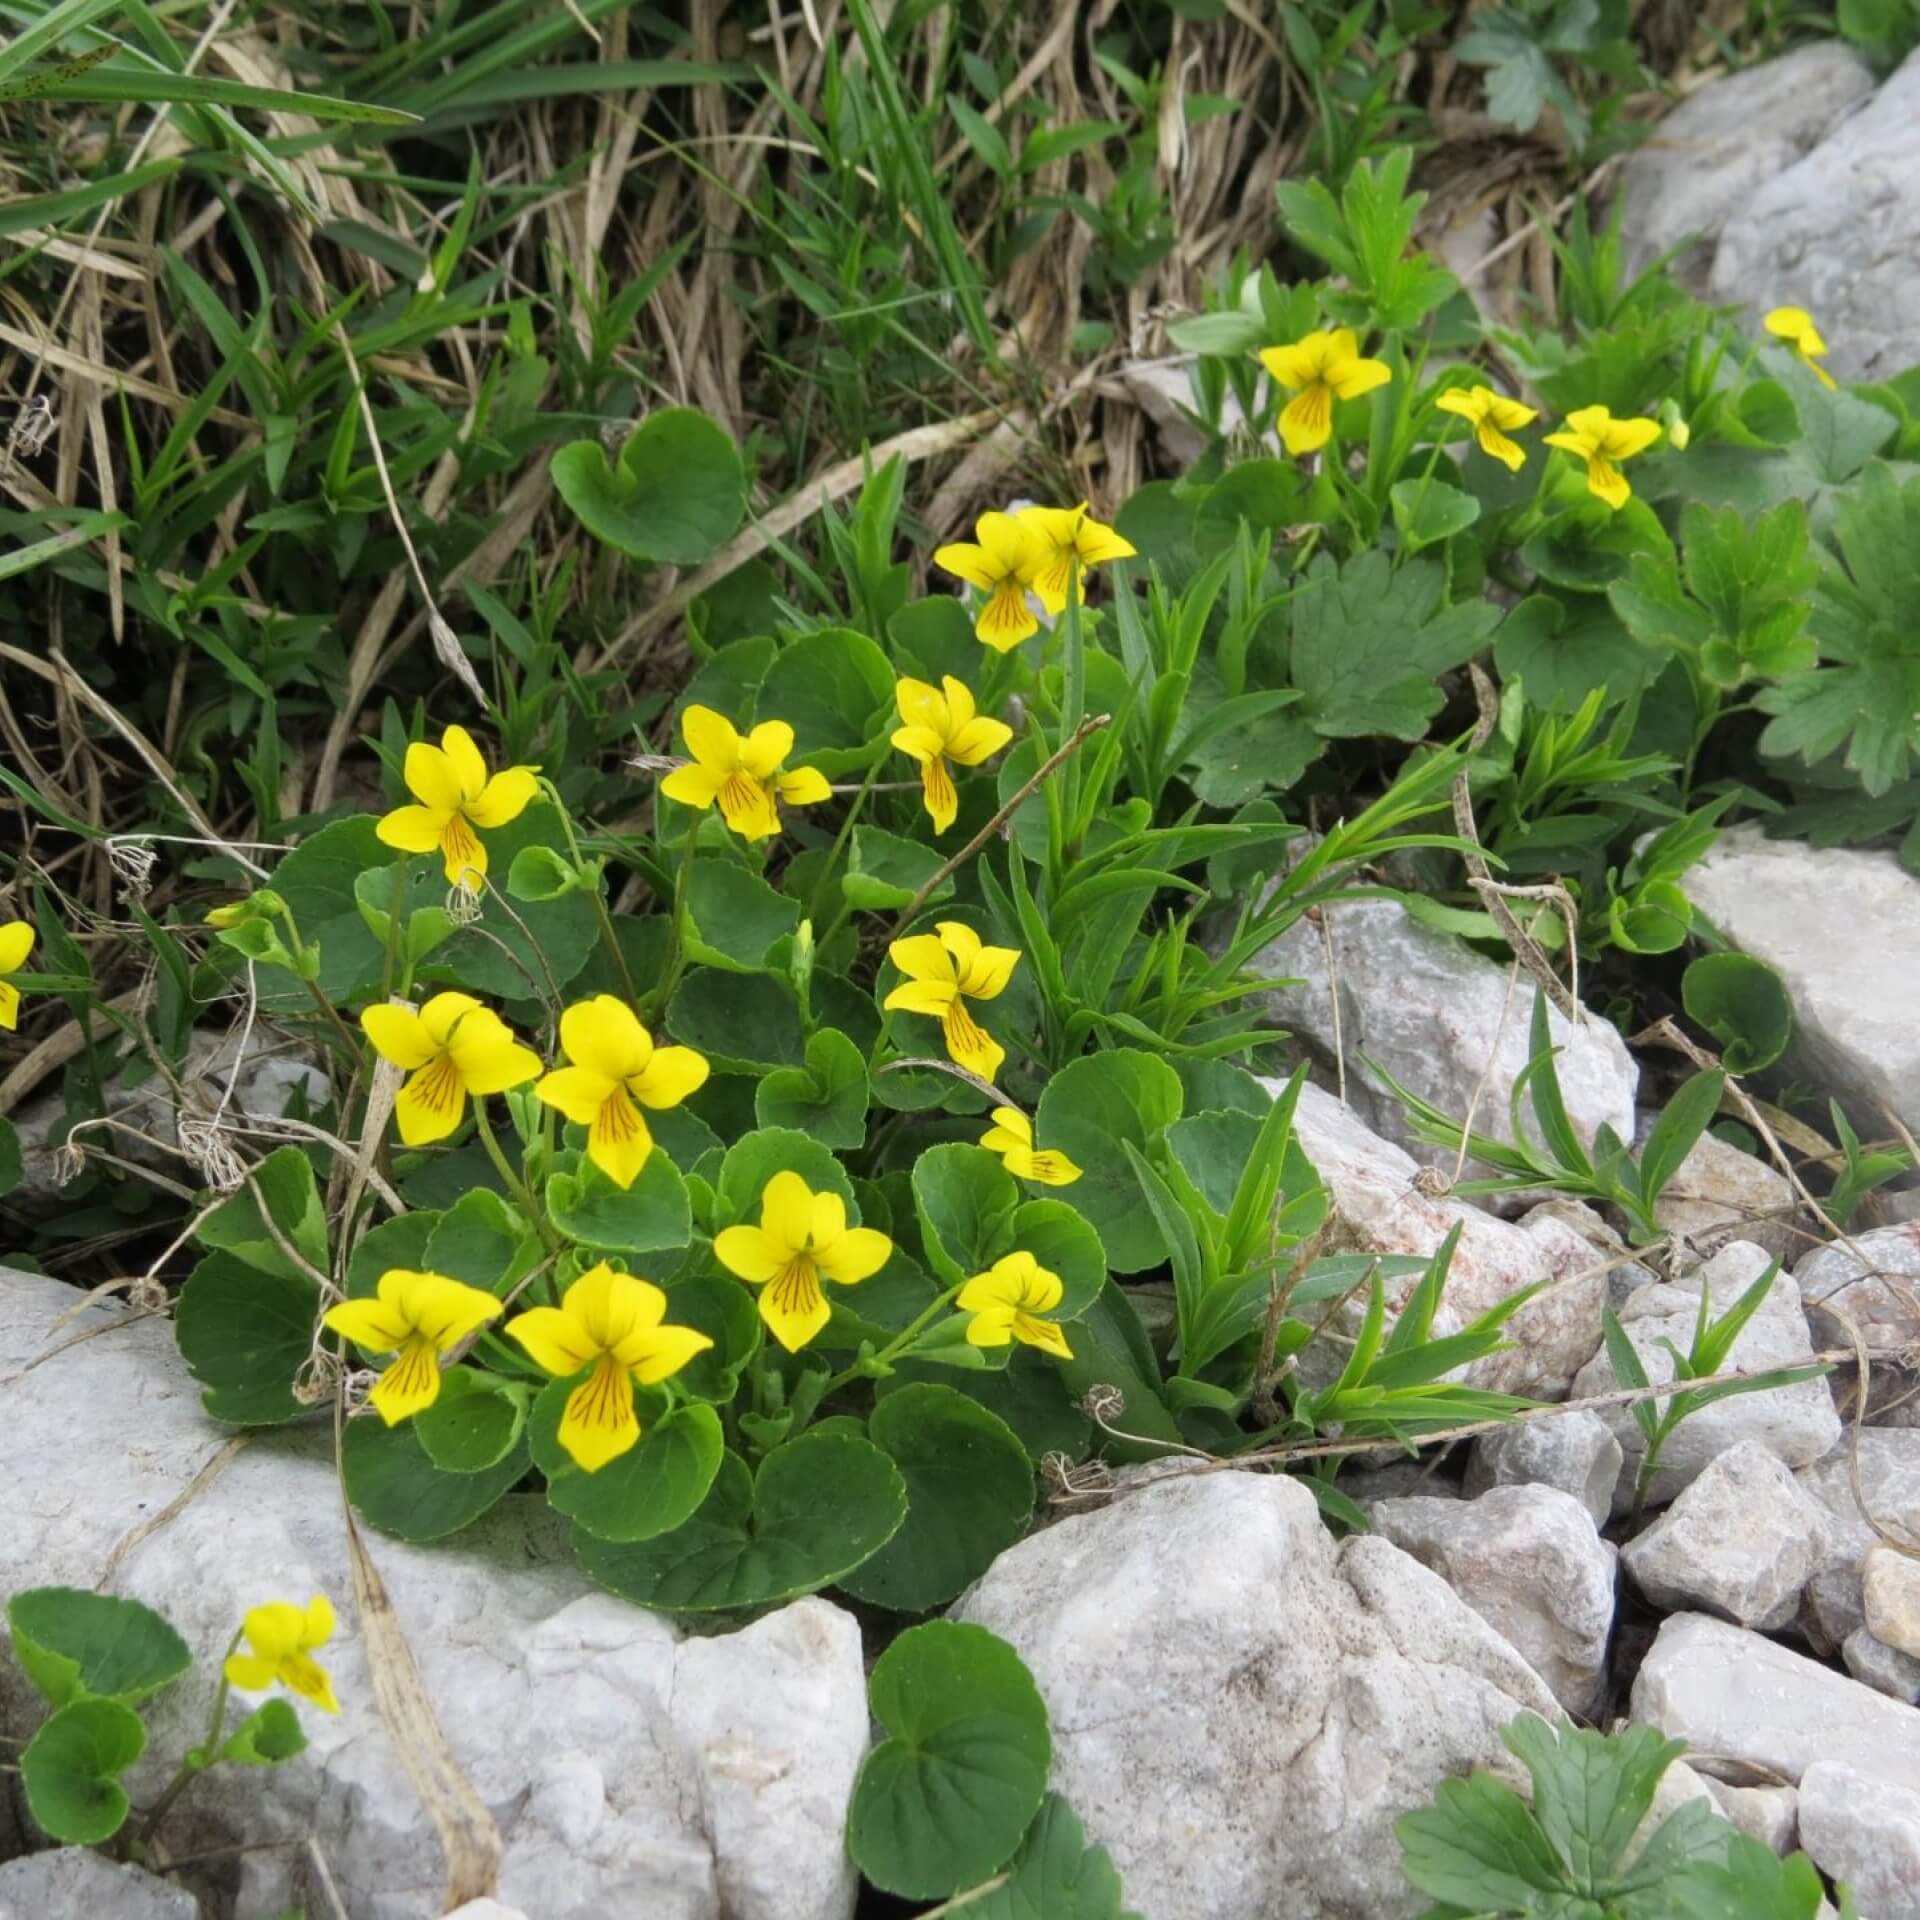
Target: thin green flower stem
[1426, 480]
[876, 1363]
[677, 963]
[195, 1761]
[607, 934]
[833, 856]
[392, 963]
[516, 1183]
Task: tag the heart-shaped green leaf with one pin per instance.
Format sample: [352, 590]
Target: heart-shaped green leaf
[395, 1486]
[1744, 1004]
[72, 1767]
[72, 1642]
[826, 1098]
[651, 1216]
[244, 1334]
[1090, 1110]
[652, 1487]
[674, 497]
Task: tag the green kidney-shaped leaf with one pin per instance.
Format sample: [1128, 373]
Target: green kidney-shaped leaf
[476, 1422]
[969, 1497]
[400, 1242]
[885, 872]
[1744, 1004]
[72, 1642]
[72, 1767]
[1056, 1875]
[268, 1735]
[651, 1216]
[285, 1180]
[736, 916]
[944, 1800]
[966, 1201]
[652, 1488]
[1428, 511]
[1029, 1394]
[756, 1157]
[674, 497]
[826, 1098]
[483, 1242]
[742, 1022]
[395, 1486]
[722, 1308]
[835, 689]
[244, 1334]
[816, 1509]
[1089, 1111]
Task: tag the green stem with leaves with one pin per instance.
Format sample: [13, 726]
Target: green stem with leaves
[194, 1762]
[516, 1183]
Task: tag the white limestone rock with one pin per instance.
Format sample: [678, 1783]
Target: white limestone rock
[1720, 1194]
[1720, 146]
[1240, 1707]
[1378, 1209]
[1796, 1423]
[1881, 1298]
[1739, 1696]
[1429, 1010]
[1574, 1451]
[1860, 1827]
[1880, 1667]
[1889, 1464]
[1741, 1540]
[75, 1883]
[634, 1774]
[1890, 1594]
[1528, 1561]
[1781, 900]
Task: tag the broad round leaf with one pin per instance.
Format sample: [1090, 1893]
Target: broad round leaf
[885, 873]
[676, 494]
[1029, 1394]
[741, 1022]
[652, 1488]
[399, 1242]
[826, 1098]
[244, 1335]
[1744, 1004]
[1088, 1111]
[72, 1767]
[73, 1642]
[476, 1422]
[753, 1160]
[285, 1180]
[818, 1507]
[269, 1734]
[944, 1800]
[835, 689]
[723, 1309]
[966, 1201]
[1056, 1875]
[651, 1216]
[395, 1486]
[736, 916]
[1427, 511]
[969, 1497]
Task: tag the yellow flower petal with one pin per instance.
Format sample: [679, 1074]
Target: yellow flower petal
[921, 996]
[694, 786]
[599, 1423]
[16, 942]
[665, 1350]
[1351, 378]
[978, 740]
[786, 1210]
[1099, 544]
[1010, 539]
[1789, 323]
[803, 787]
[441, 1311]
[487, 1056]
[672, 1075]
[1045, 1167]
[553, 1340]
[793, 1306]
[922, 956]
[939, 795]
[1006, 619]
[1607, 482]
[619, 1142]
[250, 1673]
[578, 1092]
[991, 1327]
[463, 855]
[710, 738]
[919, 743]
[750, 1252]
[411, 829]
[399, 1036]
[973, 564]
[431, 1104]
[604, 1035]
[431, 778]
[274, 1631]
[857, 1254]
[1011, 1128]
[921, 706]
[1296, 366]
[747, 806]
[1497, 446]
[308, 1678]
[765, 747]
[1306, 422]
[1044, 1334]
[320, 1622]
[1625, 438]
[505, 797]
[969, 1044]
[410, 1385]
[367, 1323]
[9, 1005]
[989, 971]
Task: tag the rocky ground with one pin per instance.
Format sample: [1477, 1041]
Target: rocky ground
[1241, 1704]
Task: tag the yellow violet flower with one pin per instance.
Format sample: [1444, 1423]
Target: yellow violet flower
[1492, 414]
[943, 726]
[1067, 535]
[16, 942]
[945, 969]
[616, 1069]
[1318, 370]
[1006, 1301]
[1795, 326]
[450, 1048]
[802, 1239]
[615, 1324]
[283, 1638]
[743, 775]
[1003, 561]
[455, 796]
[1601, 441]
[1011, 1137]
[416, 1317]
